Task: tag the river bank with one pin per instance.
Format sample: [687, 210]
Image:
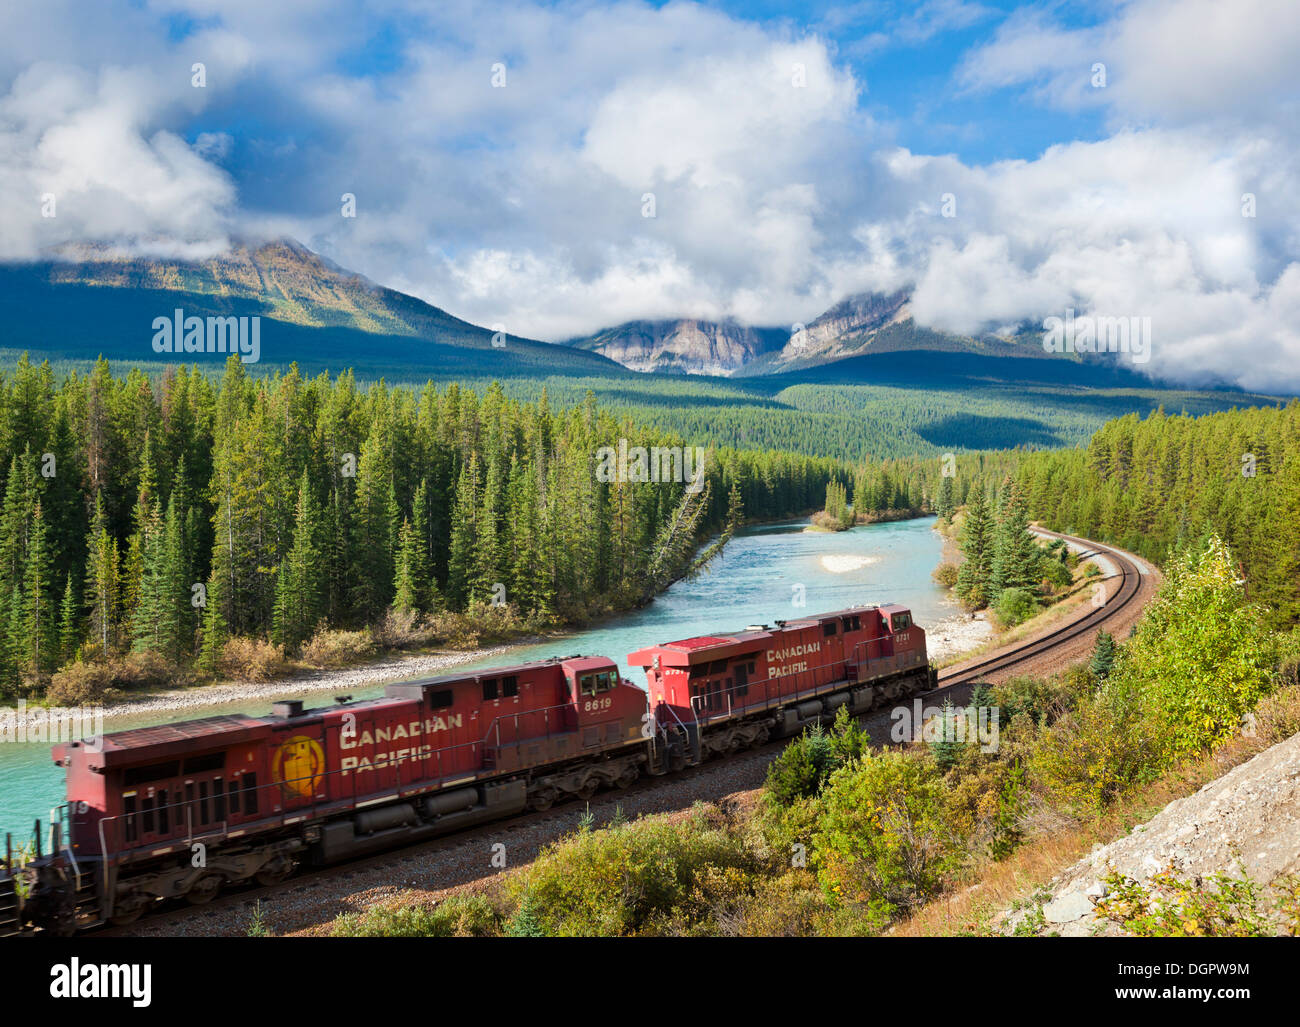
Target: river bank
[339, 681]
[949, 635]
[958, 634]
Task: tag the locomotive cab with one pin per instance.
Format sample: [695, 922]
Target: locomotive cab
[606, 708]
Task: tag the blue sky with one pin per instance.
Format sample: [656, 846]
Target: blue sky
[791, 154]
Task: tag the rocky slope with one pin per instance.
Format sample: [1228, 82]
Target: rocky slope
[1245, 822]
[684, 347]
[863, 324]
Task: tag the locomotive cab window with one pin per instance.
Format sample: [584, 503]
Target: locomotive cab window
[828, 629]
[510, 686]
[490, 688]
[441, 699]
[594, 684]
[901, 621]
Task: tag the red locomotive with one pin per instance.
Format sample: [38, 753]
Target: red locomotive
[727, 693]
[183, 809]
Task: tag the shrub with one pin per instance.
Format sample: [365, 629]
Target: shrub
[403, 629]
[801, 769]
[1055, 573]
[1042, 700]
[1014, 606]
[458, 916]
[252, 659]
[79, 683]
[945, 574]
[787, 905]
[884, 842]
[337, 648]
[1218, 906]
[1095, 753]
[1201, 658]
[651, 876]
[805, 764]
[147, 670]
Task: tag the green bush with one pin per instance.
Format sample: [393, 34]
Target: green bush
[1014, 606]
[1218, 906]
[1201, 658]
[801, 769]
[805, 764]
[651, 876]
[885, 842]
[459, 916]
[1096, 752]
[1055, 572]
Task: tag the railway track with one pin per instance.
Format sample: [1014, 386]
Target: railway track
[1126, 592]
[953, 681]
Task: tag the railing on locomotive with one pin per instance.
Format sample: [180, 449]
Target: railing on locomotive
[121, 852]
[731, 691]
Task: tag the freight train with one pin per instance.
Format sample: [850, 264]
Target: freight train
[180, 811]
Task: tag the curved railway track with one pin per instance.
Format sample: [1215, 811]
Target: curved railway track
[1126, 592]
[1128, 587]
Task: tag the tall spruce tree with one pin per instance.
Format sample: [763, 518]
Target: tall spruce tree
[1016, 553]
[300, 588]
[973, 579]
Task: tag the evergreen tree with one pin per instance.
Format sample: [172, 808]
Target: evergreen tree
[946, 504]
[405, 584]
[69, 624]
[300, 586]
[946, 749]
[973, 578]
[1103, 655]
[40, 626]
[1016, 554]
[214, 631]
[464, 537]
[102, 583]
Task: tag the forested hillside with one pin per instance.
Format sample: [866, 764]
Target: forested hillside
[1155, 483]
[165, 518]
[911, 407]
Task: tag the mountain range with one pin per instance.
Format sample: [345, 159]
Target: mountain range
[90, 300]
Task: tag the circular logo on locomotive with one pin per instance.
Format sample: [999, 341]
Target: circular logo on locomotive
[297, 766]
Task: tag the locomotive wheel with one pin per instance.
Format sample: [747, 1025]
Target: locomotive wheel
[275, 872]
[542, 801]
[628, 778]
[129, 911]
[588, 787]
[205, 889]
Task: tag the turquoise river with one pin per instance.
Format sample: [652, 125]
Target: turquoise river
[759, 579]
